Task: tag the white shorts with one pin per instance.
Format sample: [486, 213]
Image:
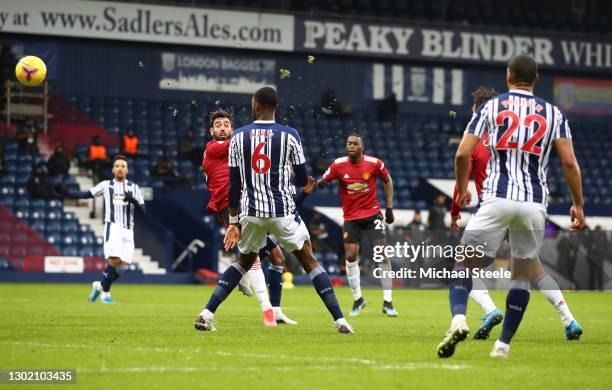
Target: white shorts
[118, 242]
[290, 231]
[523, 221]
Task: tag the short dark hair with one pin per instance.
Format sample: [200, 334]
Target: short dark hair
[120, 157]
[266, 97]
[523, 69]
[483, 94]
[219, 114]
[354, 134]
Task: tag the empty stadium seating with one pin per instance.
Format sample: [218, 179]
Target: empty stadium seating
[407, 147]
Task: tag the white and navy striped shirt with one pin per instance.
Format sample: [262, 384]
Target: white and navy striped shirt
[265, 153]
[521, 130]
[116, 210]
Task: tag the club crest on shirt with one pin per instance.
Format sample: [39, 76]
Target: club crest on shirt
[366, 175]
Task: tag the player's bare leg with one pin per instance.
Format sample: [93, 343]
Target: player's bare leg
[227, 282]
[549, 287]
[277, 267]
[114, 269]
[322, 285]
[353, 274]
[516, 305]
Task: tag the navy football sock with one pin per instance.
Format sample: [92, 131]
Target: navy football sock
[516, 304]
[228, 281]
[275, 281]
[322, 283]
[109, 275]
[459, 292]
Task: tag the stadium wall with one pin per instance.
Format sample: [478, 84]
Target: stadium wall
[101, 68]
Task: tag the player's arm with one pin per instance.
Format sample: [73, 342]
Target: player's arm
[96, 191]
[455, 207]
[573, 177]
[298, 199]
[232, 234]
[388, 190]
[475, 130]
[328, 176]
[135, 198]
[384, 175]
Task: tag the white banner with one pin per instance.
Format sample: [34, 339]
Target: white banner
[149, 23]
[64, 264]
[216, 73]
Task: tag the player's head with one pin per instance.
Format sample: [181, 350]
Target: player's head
[481, 95]
[221, 125]
[354, 145]
[120, 167]
[522, 71]
[264, 101]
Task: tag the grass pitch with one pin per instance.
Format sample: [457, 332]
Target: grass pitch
[148, 341]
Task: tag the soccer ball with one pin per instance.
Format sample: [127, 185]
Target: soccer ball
[31, 71]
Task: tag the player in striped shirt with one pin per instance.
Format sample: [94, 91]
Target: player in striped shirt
[261, 158]
[522, 130]
[539, 277]
[215, 166]
[121, 198]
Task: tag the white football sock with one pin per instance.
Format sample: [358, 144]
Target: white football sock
[98, 285]
[258, 285]
[480, 295]
[209, 315]
[354, 278]
[456, 319]
[502, 345]
[105, 294]
[386, 282]
[551, 291]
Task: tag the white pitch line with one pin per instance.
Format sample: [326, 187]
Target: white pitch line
[366, 362]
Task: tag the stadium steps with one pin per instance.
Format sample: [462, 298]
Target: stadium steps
[82, 210]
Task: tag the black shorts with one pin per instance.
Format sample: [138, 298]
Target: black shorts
[371, 228]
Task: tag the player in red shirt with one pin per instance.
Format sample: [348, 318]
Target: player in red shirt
[479, 293]
[215, 166]
[357, 175]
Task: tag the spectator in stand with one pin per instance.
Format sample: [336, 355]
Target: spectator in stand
[387, 109]
[2, 166]
[416, 231]
[26, 139]
[186, 146]
[38, 184]
[318, 233]
[330, 105]
[319, 164]
[597, 250]
[98, 159]
[437, 212]
[130, 143]
[164, 169]
[59, 162]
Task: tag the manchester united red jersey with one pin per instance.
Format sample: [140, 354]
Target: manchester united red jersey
[478, 168]
[216, 168]
[357, 185]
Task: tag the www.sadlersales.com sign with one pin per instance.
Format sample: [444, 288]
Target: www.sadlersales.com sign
[405, 41]
[150, 23]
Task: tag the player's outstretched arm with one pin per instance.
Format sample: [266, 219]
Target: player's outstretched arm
[73, 194]
[573, 177]
[298, 199]
[388, 189]
[462, 167]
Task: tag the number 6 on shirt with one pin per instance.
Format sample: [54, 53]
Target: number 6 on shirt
[258, 156]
